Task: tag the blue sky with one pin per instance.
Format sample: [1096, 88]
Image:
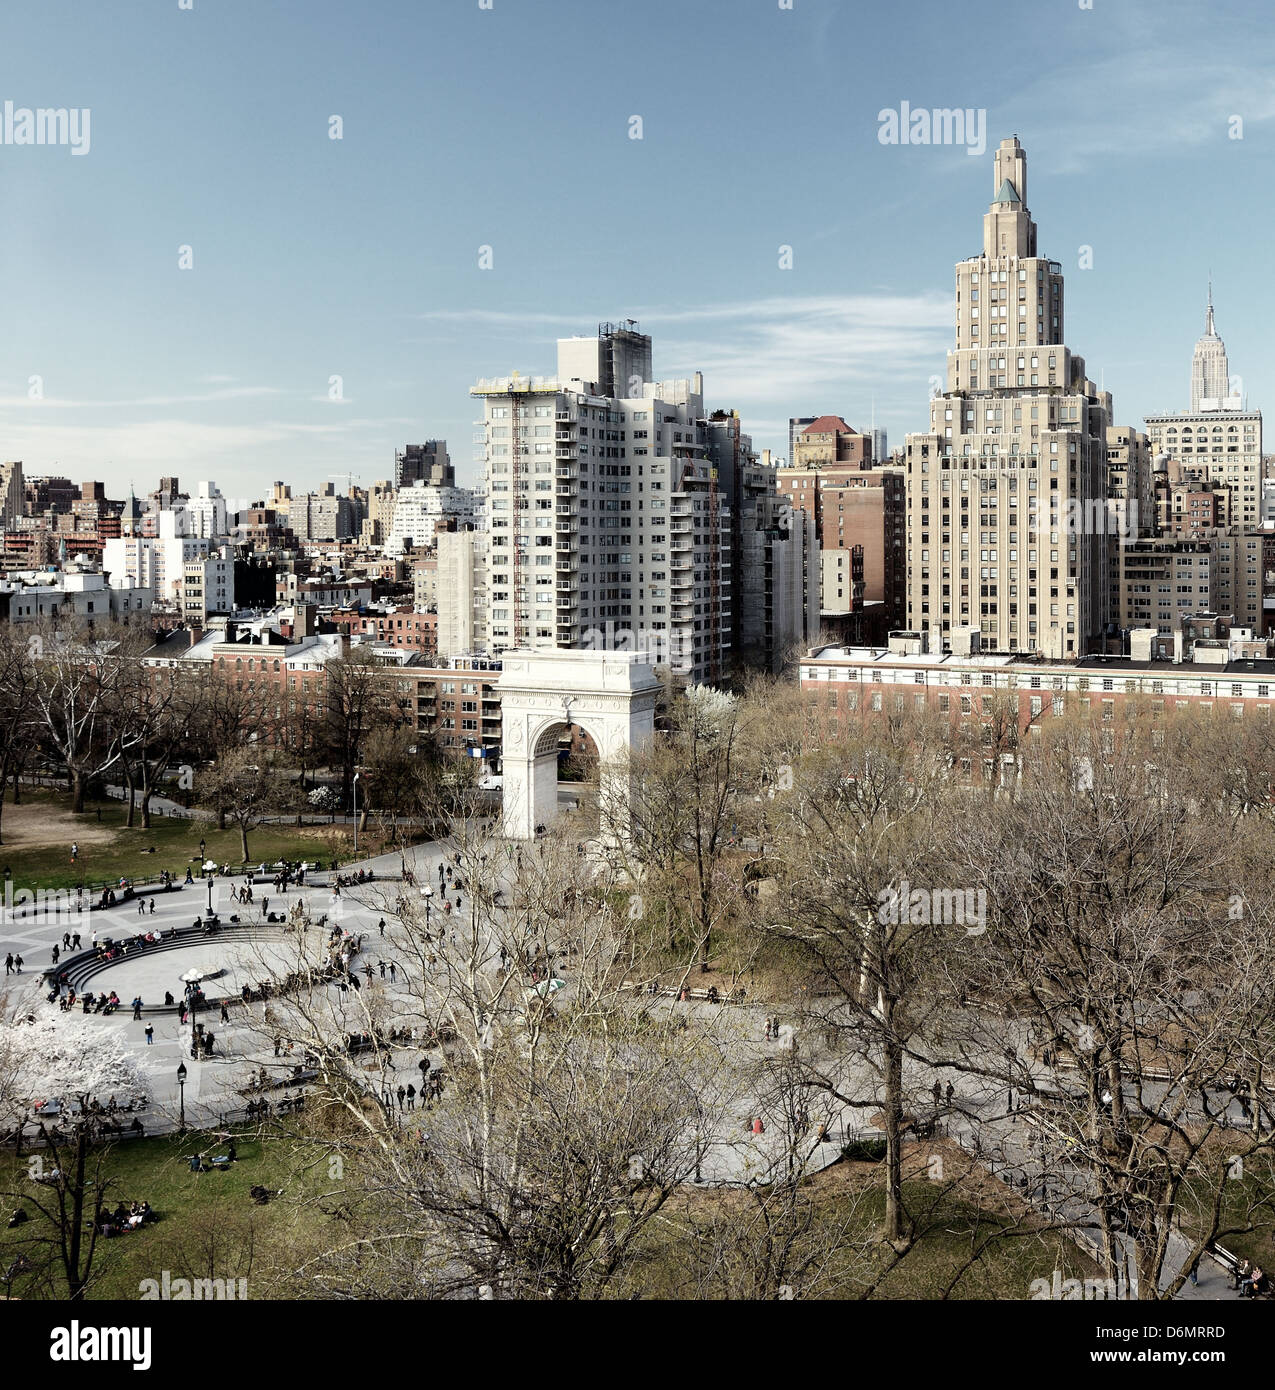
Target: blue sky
[509, 127]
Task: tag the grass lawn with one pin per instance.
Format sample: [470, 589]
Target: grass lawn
[972, 1240]
[38, 836]
[209, 1227]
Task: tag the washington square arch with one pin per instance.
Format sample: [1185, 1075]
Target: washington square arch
[610, 695]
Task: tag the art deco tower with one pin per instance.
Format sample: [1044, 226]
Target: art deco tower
[1210, 371]
[1006, 500]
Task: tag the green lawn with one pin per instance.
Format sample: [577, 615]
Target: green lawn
[209, 1227]
[109, 850]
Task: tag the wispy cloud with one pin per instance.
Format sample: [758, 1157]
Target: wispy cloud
[818, 351]
[238, 393]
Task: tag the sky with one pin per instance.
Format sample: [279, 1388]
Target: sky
[332, 302]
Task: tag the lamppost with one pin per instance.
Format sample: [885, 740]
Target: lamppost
[356, 815]
[210, 906]
[181, 1087]
[427, 893]
[201, 858]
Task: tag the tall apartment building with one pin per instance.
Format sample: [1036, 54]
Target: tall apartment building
[424, 463]
[206, 512]
[774, 551]
[1224, 445]
[1130, 482]
[420, 509]
[320, 516]
[460, 592]
[866, 511]
[607, 528]
[1006, 493]
[12, 493]
[1157, 582]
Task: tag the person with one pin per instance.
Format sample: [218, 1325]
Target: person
[225, 1013]
[150, 1034]
[75, 851]
[137, 1008]
[190, 878]
[66, 940]
[381, 926]
[938, 1093]
[950, 1092]
[391, 972]
[411, 1096]
[381, 964]
[75, 941]
[55, 953]
[152, 907]
[168, 998]
[1254, 1283]
[8, 964]
[1241, 1273]
[1195, 1270]
[196, 1163]
[402, 1096]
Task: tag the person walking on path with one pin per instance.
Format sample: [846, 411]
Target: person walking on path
[137, 1008]
[950, 1092]
[411, 1096]
[75, 941]
[381, 926]
[225, 1012]
[8, 964]
[17, 964]
[152, 905]
[381, 964]
[56, 953]
[66, 940]
[265, 906]
[150, 1034]
[402, 1096]
[391, 972]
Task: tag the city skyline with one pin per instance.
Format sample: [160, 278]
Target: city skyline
[313, 258]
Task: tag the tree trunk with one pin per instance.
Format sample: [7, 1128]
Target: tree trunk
[893, 1125]
[77, 1279]
[243, 840]
[130, 819]
[77, 792]
[147, 793]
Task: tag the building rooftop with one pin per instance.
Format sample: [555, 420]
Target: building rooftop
[829, 424]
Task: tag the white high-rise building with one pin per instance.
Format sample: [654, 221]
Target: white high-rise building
[607, 528]
[418, 510]
[206, 512]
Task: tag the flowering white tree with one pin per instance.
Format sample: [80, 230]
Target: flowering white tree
[69, 1061]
